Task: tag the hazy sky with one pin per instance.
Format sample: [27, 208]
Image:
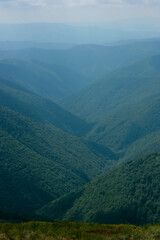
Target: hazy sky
[76, 10]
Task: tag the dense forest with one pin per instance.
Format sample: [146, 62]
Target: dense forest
[127, 194]
[80, 133]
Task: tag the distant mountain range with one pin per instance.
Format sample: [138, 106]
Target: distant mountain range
[15, 45]
[90, 60]
[48, 80]
[123, 87]
[98, 33]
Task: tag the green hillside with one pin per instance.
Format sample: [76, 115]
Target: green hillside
[123, 87]
[128, 194]
[39, 162]
[42, 110]
[124, 106]
[52, 156]
[48, 80]
[134, 131]
[90, 60]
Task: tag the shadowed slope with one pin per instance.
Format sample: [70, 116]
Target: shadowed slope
[128, 194]
[48, 80]
[38, 161]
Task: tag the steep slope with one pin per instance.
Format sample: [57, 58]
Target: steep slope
[44, 160]
[90, 60]
[38, 161]
[25, 102]
[123, 87]
[128, 194]
[50, 81]
[132, 130]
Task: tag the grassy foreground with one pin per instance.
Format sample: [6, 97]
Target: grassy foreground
[69, 230]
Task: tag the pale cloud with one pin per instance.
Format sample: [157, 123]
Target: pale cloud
[23, 2]
[91, 2]
[64, 3]
[145, 2]
[76, 10]
[75, 3]
[151, 1]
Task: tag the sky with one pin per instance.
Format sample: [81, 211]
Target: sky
[23, 11]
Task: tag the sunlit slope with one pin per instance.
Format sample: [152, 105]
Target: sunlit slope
[128, 194]
[133, 131]
[48, 80]
[123, 87]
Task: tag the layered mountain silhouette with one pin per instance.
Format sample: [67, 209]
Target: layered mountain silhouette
[47, 80]
[90, 60]
[80, 133]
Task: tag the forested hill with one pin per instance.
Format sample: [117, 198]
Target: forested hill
[51, 81]
[39, 162]
[133, 130]
[52, 157]
[128, 194]
[123, 87]
[40, 109]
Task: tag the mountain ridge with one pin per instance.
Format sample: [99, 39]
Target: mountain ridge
[124, 195]
[37, 156]
[129, 84]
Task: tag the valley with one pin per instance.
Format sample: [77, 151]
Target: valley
[80, 135]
